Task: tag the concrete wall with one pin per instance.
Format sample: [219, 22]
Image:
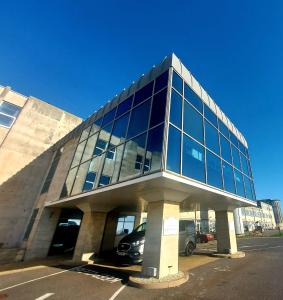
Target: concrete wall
[25, 160]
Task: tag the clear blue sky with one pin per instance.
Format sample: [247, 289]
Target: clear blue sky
[78, 54]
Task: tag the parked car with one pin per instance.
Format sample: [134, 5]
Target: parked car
[204, 237]
[131, 247]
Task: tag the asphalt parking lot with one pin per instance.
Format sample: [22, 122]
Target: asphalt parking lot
[257, 276]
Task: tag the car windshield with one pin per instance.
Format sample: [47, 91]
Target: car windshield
[140, 228]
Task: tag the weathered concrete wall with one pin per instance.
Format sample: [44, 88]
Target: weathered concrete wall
[24, 163]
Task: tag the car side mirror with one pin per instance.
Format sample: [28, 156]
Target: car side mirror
[126, 231]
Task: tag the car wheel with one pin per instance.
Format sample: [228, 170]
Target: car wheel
[189, 249]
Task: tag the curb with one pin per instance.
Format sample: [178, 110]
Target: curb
[153, 283]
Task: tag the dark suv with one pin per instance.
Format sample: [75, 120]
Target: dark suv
[130, 249]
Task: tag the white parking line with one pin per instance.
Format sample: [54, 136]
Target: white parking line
[253, 246]
[45, 296]
[39, 278]
[117, 292]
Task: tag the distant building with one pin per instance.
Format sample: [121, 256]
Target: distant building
[275, 203]
[28, 128]
[262, 215]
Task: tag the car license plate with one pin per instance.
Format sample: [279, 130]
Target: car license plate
[122, 253]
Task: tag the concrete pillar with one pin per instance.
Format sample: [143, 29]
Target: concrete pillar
[161, 239]
[239, 225]
[225, 231]
[42, 233]
[90, 235]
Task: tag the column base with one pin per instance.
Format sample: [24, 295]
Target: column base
[239, 254]
[155, 283]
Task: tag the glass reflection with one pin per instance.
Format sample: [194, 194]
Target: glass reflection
[193, 159]
[228, 176]
[80, 178]
[103, 139]
[158, 108]
[88, 152]
[78, 154]
[154, 149]
[177, 82]
[111, 165]
[139, 119]
[176, 109]
[211, 138]
[133, 158]
[239, 183]
[193, 122]
[214, 174]
[225, 149]
[119, 130]
[173, 150]
[66, 191]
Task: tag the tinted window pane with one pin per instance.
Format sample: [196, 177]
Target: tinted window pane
[104, 180]
[177, 82]
[96, 126]
[103, 140]
[80, 178]
[119, 130]
[239, 183]
[224, 129]
[9, 109]
[78, 154]
[139, 119]
[161, 82]
[94, 167]
[143, 93]
[173, 150]
[233, 139]
[250, 169]
[6, 120]
[228, 175]
[236, 157]
[88, 152]
[89, 181]
[242, 148]
[176, 109]
[193, 122]
[85, 133]
[225, 149]
[210, 116]
[124, 106]
[154, 149]
[192, 97]
[112, 163]
[133, 158]
[214, 174]
[158, 108]
[108, 117]
[211, 138]
[66, 191]
[245, 167]
[193, 159]
[249, 192]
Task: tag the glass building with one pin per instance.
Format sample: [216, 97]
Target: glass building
[165, 122]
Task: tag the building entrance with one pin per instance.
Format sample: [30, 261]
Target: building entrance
[66, 233]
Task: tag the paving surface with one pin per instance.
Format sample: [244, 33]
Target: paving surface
[257, 276]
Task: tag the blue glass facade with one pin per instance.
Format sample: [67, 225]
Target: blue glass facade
[129, 141]
[211, 153]
[124, 143]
